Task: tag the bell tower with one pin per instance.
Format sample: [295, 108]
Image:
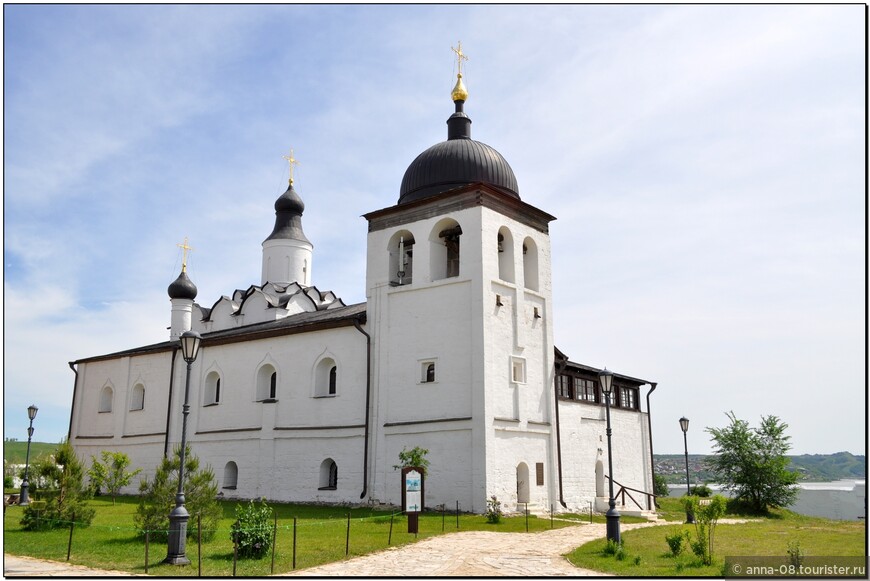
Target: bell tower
[459, 305]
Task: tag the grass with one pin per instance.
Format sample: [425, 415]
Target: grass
[768, 536]
[15, 452]
[111, 543]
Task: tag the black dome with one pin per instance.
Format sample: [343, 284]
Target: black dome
[454, 163]
[182, 288]
[457, 162]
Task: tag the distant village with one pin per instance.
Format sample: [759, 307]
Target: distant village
[813, 467]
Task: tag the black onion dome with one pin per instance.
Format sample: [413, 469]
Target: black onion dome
[182, 288]
[457, 162]
[288, 216]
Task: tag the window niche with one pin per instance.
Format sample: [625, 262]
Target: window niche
[326, 378]
[107, 395]
[428, 370]
[267, 384]
[401, 250]
[231, 476]
[328, 475]
[212, 391]
[518, 370]
[137, 399]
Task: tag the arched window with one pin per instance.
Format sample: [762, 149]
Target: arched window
[106, 397]
[401, 258]
[530, 264]
[444, 254]
[505, 255]
[137, 401]
[326, 378]
[430, 373]
[231, 475]
[212, 392]
[267, 383]
[328, 475]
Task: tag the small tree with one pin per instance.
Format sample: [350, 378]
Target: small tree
[253, 529]
[752, 463]
[68, 496]
[416, 456]
[706, 518]
[660, 486]
[157, 497]
[111, 472]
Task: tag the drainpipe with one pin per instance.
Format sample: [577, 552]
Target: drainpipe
[368, 399]
[560, 367]
[169, 402]
[72, 411]
[652, 464]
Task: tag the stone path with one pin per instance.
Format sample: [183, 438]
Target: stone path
[462, 554]
[476, 553]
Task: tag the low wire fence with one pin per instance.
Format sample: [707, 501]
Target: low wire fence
[296, 542]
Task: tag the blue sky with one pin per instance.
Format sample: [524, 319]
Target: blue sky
[705, 164]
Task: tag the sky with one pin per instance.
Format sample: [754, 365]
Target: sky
[706, 165]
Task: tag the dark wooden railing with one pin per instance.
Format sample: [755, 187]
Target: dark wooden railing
[624, 490]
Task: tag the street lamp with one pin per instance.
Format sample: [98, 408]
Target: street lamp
[190, 341]
[684, 425]
[606, 379]
[23, 499]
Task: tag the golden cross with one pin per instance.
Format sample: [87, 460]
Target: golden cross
[184, 250]
[291, 161]
[460, 56]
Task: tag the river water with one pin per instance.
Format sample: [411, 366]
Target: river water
[840, 500]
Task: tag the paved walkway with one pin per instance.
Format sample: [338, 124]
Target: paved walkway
[15, 566]
[476, 553]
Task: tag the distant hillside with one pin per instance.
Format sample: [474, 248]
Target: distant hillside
[813, 467]
[15, 452]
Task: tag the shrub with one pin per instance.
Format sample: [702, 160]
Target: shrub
[111, 472]
[253, 529]
[660, 487]
[706, 518]
[493, 510]
[795, 554]
[701, 490]
[157, 497]
[614, 549]
[678, 541]
[69, 499]
[415, 457]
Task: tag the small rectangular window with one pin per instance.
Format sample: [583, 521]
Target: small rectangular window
[539, 473]
[518, 370]
[427, 371]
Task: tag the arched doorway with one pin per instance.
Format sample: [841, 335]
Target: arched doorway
[599, 479]
[522, 482]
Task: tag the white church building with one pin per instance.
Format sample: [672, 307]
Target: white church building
[296, 396]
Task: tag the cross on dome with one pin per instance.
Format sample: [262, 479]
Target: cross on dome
[184, 250]
[291, 161]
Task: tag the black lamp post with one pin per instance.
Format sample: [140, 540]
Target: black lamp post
[684, 425]
[606, 379]
[190, 341]
[23, 499]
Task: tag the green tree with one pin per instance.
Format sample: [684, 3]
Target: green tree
[157, 497]
[64, 493]
[752, 462]
[416, 456]
[660, 486]
[111, 472]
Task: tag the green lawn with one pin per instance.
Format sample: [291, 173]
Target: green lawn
[111, 543]
[760, 537]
